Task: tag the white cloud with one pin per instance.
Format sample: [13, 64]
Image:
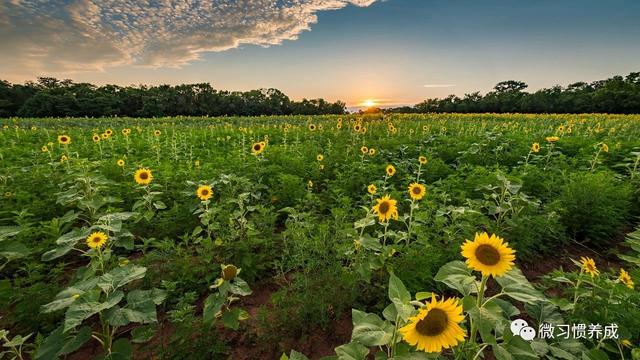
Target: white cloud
[89, 35]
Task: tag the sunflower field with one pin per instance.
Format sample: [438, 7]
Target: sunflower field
[355, 237]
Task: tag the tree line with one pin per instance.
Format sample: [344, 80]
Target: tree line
[51, 97]
[616, 95]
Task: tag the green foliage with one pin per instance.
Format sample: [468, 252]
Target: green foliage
[594, 207]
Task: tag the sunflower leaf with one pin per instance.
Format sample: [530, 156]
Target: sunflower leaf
[457, 275]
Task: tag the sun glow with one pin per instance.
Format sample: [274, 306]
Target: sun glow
[369, 103]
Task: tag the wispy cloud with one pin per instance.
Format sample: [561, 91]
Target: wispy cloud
[80, 35]
[429, 86]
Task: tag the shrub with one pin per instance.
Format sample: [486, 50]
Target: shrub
[594, 207]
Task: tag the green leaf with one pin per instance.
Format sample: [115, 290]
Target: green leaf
[73, 344]
[82, 310]
[240, 287]
[143, 334]
[516, 286]
[121, 350]
[352, 351]
[13, 250]
[121, 276]
[370, 329]
[457, 275]
[121, 216]
[231, 318]
[397, 290]
[9, 231]
[51, 346]
[594, 354]
[297, 356]
[212, 305]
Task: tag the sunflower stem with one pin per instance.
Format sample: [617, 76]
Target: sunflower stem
[479, 304]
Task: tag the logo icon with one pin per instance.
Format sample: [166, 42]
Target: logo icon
[521, 328]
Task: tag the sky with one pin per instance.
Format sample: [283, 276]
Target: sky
[394, 52]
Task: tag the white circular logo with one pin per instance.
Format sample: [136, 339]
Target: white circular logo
[521, 328]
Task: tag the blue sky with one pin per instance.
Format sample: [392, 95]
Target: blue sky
[351, 50]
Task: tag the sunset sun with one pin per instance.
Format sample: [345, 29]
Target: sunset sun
[369, 103]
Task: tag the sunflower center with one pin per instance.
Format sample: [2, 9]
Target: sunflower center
[384, 207]
[96, 239]
[433, 324]
[144, 176]
[256, 147]
[205, 192]
[416, 190]
[487, 254]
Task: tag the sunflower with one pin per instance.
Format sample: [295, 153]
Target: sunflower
[64, 139]
[105, 136]
[625, 278]
[97, 239]
[204, 192]
[535, 147]
[386, 209]
[422, 160]
[320, 157]
[258, 148]
[229, 272]
[372, 189]
[626, 343]
[44, 149]
[126, 131]
[120, 162]
[312, 127]
[157, 132]
[339, 126]
[417, 191]
[364, 150]
[310, 184]
[488, 254]
[108, 132]
[391, 170]
[95, 138]
[143, 176]
[63, 158]
[561, 128]
[425, 128]
[372, 152]
[357, 127]
[589, 266]
[552, 139]
[436, 326]
[605, 147]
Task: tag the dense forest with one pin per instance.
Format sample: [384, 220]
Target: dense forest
[620, 95]
[52, 97]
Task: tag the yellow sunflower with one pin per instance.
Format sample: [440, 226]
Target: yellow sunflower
[386, 209]
[108, 132]
[97, 239]
[489, 255]
[204, 192]
[143, 176]
[320, 157]
[45, 149]
[589, 266]
[552, 139]
[312, 127]
[63, 158]
[391, 170]
[357, 127]
[422, 160]
[126, 131]
[64, 139]
[120, 162]
[258, 148]
[372, 151]
[229, 272]
[535, 147]
[364, 150]
[625, 278]
[95, 138]
[157, 132]
[417, 191]
[339, 126]
[605, 147]
[372, 189]
[436, 326]
[105, 136]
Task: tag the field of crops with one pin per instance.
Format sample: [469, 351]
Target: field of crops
[403, 236]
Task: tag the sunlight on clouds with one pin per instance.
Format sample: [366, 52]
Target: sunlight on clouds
[89, 35]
